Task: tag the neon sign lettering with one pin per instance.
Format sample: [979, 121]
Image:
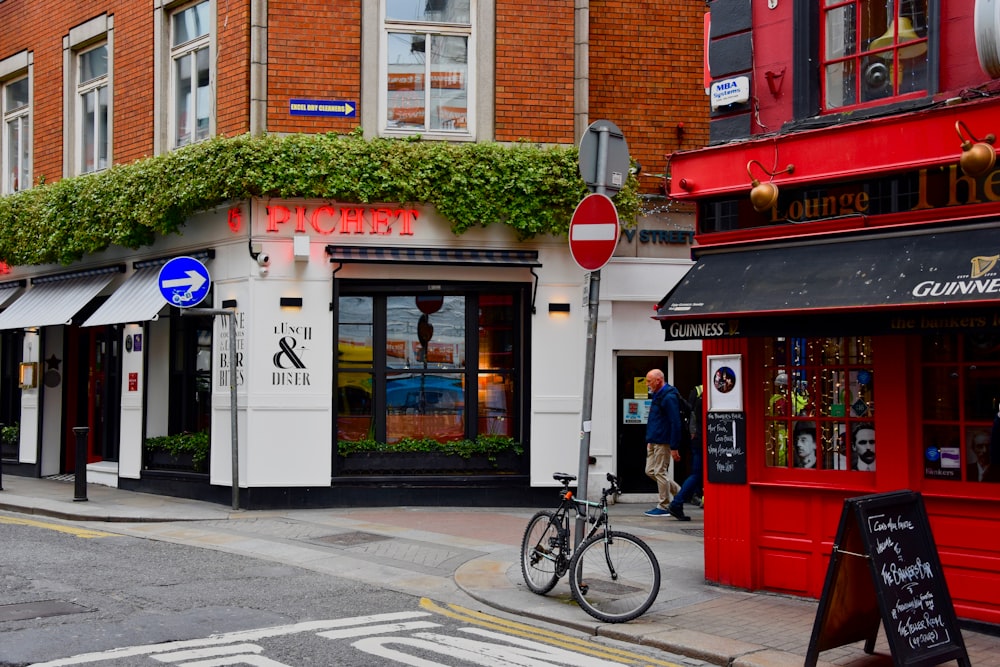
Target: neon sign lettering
[328, 219]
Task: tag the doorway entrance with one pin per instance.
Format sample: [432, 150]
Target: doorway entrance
[683, 370]
[93, 392]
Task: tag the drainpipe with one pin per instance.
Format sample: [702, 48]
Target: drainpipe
[258, 67]
[581, 65]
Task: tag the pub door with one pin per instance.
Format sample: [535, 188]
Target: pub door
[631, 427]
[92, 392]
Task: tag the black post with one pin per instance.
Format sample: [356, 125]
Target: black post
[80, 491]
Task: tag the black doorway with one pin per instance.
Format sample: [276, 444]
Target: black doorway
[631, 454]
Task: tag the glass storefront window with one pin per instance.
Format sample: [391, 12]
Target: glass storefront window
[819, 395]
[960, 385]
[415, 365]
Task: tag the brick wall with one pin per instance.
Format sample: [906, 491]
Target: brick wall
[314, 52]
[233, 77]
[645, 70]
[646, 77]
[534, 71]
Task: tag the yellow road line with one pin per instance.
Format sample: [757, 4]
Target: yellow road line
[554, 638]
[72, 530]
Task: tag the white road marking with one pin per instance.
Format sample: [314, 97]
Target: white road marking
[377, 629]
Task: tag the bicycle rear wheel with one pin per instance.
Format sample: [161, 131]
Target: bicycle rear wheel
[614, 580]
[541, 553]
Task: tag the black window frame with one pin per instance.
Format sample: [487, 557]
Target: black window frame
[381, 290]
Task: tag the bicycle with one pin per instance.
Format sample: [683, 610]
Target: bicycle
[614, 576]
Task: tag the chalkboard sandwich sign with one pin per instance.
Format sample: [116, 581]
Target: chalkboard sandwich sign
[885, 566]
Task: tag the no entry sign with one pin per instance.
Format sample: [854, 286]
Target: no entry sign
[593, 232]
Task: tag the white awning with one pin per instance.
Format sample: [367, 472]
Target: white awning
[8, 290]
[137, 300]
[54, 302]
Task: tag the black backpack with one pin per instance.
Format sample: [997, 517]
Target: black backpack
[685, 409]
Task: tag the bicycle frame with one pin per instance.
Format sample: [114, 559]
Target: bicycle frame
[580, 507]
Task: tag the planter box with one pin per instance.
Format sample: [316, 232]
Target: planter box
[426, 463]
[159, 460]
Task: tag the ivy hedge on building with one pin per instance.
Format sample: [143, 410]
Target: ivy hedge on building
[532, 189]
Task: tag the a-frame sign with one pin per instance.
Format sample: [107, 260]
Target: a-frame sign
[885, 567]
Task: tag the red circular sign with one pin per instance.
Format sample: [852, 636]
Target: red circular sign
[593, 232]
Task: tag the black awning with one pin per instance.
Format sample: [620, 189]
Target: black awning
[839, 276]
[436, 256]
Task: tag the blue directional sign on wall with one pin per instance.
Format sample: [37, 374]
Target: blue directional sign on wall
[184, 282]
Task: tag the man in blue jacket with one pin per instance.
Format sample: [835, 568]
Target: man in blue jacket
[663, 437]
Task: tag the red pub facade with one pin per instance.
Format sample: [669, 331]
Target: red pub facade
[848, 250]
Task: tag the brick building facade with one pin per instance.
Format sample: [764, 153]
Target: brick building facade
[95, 84]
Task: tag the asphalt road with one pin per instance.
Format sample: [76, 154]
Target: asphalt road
[75, 595]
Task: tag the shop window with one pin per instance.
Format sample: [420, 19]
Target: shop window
[426, 81]
[873, 51]
[960, 392]
[191, 97]
[416, 365]
[819, 395]
[190, 373]
[15, 142]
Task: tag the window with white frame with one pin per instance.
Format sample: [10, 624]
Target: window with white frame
[426, 84]
[191, 74]
[16, 141]
[92, 110]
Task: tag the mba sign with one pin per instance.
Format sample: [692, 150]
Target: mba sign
[730, 91]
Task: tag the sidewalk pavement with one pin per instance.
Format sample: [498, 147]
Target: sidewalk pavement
[437, 552]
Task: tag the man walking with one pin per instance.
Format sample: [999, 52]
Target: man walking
[692, 486]
[663, 435]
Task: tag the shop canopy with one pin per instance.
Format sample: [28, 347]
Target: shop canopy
[137, 300]
[9, 290]
[55, 300]
[759, 288]
[444, 256]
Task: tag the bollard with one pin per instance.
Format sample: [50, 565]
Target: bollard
[80, 491]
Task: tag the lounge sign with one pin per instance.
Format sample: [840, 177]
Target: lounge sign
[926, 189]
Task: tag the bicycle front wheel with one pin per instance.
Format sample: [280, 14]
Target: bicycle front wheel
[541, 553]
[614, 577]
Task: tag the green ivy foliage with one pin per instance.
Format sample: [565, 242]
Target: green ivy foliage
[532, 189]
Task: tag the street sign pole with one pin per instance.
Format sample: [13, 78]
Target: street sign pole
[593, 302]
[230, 315]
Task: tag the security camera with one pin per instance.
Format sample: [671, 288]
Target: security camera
[263, 259]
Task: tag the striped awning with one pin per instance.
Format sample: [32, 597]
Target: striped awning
[137, 300]
[451, 256]
[55, 300]
[9, 290]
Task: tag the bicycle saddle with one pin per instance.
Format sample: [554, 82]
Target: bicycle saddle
[563, 477]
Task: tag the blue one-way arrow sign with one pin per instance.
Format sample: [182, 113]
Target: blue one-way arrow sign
[184, 282]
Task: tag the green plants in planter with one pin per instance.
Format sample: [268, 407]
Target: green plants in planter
[427, 454]
[10, 438]
[180, 446]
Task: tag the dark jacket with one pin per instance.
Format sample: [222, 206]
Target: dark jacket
[664, 424]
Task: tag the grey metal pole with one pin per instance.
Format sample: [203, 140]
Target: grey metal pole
[233, 413]
[593, 302]
[233, 405]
